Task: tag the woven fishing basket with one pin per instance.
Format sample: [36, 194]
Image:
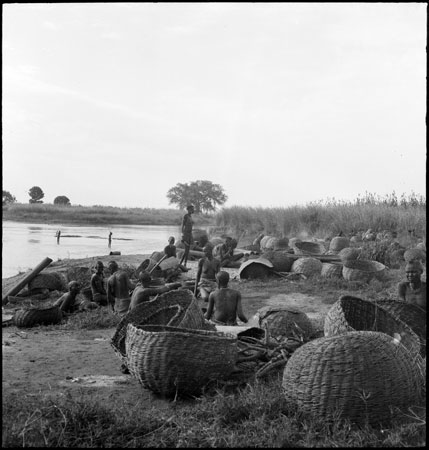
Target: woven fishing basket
[264, 242]
[330, 270]
[412, 315]
[356, 314]
[357, 376]
[258, 268]
[29, 317]
[338, 243]
[415, 253]
[280, 259]
[174, 361]
[309, 248]
[201, 236]
[363, 270]
[176, 308]
[284, 321]
[54, 281]
[348, 254]
[308, 266]
[280, 243]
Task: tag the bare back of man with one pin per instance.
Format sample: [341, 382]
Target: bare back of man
[118, 287]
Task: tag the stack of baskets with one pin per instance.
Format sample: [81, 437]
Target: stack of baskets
[357, 376]
[173, 361]
[177, 308]
[29, 317]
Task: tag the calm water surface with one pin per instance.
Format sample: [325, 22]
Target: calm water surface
[25, 245]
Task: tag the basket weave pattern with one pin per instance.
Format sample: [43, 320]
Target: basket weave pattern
[52, 281]
[355, 314]
[338, 243]
[280, 259]
[358, 375]
[330, 270]
[170, 360]
[29, 317]
[308, 266]
[361, 270]
[176, 308]
[285, 322]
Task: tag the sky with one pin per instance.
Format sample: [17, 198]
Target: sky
[281, 104]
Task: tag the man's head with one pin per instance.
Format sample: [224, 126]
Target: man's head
[234, 243]
[208, 250]
[171, 240]
[145, 278]
[222, 278]
[99, 266]
[73, 287]
[113, 266]
[190, 208]
[413, 270]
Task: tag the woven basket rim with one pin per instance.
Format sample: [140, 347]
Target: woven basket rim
[167, 329]
[364, 265]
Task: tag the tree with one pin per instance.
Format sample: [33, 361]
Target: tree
[203, 194]
[36, 195]
[62, 200]
[8, 198]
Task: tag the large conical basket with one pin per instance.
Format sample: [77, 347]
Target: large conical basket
[307, 266]
[356, 314]
[174, 361]
[357, 376]
[364, 270]
[176, 308]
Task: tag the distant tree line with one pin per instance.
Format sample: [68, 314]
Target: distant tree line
[36, 194]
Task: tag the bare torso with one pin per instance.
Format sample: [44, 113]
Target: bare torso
[413, 295]
[226, 304]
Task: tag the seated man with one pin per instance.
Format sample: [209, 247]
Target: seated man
[171, 252]
[118, 289]
[226, 303]
[225, 253]
[414, 290]
[143, 291]
[67, 302]
[208, 267]
[99, 294]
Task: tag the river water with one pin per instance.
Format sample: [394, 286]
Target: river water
[25, 244]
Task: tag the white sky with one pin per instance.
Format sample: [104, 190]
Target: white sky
[279, 103]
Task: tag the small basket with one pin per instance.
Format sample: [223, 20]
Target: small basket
[29, 317]
[338, 243]
[412, 315]
[309, 248]
[176, 308]
[415, 254]
[307, 266]
[53, 281]
[174, 361]
[348, 254]
[283, 322]
[357, 376]
[363, 270]
[330, 270]
[356, 314]
[280, 259]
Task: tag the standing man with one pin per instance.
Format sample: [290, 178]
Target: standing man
[187, 239]
[110, 239]
[118, 289]
[226, 303]
[208, 267]
[99, 294]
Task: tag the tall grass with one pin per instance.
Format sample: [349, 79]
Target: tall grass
[327, 218]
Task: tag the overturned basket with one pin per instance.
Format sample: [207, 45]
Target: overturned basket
[362, 270]
[29, 317]
[280, 259]
[284, 321]
[338, 243]
[307, 266]
[348, 254]
[356, 314]
[357, 376]
[412, 315]
[175, 361]
[177, 308]
[54, 281]
[309, 248]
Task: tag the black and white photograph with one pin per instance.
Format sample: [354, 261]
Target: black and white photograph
[214, 224]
